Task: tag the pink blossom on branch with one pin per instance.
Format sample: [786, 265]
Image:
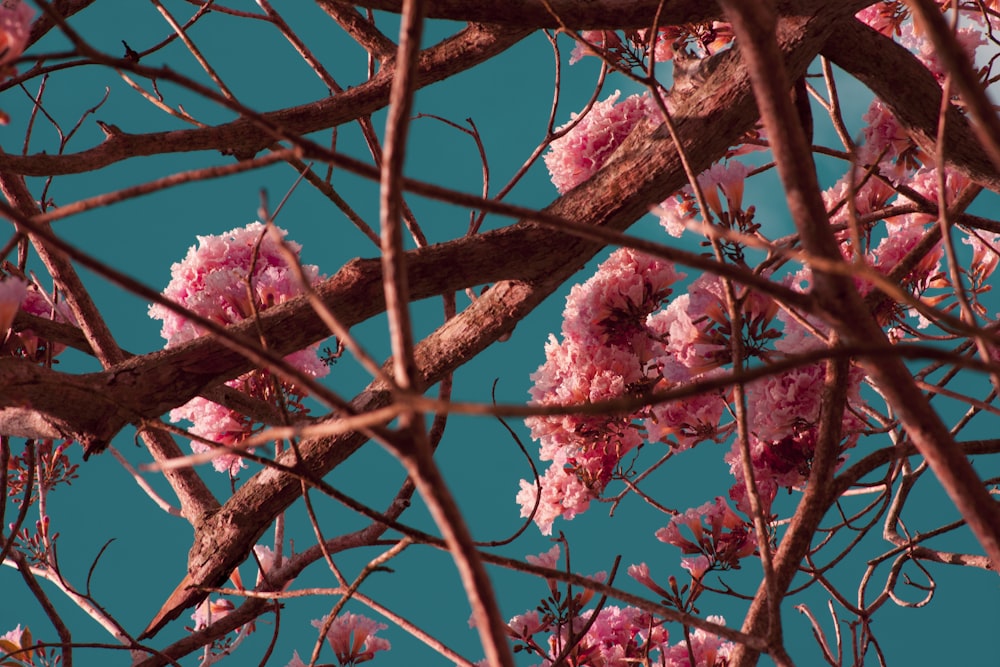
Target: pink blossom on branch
[604, 354]
[709, 650]
[15, 28]
[17, 643]
[712, 530]
[618, 637]
[603, 39]
[12, 292]
[352, 637]
[210, 611]
[211, 281]
[583, 150]
[15, 634]
[681, 208]
[27, 344]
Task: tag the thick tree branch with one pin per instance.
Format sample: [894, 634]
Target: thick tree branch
[592, 14]
[912, 94]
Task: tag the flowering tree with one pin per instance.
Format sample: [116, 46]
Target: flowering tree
[830, 369]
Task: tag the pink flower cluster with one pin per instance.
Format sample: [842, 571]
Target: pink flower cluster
[903, 233]
[783, 412]
[15, 28]
[616, 637]
[619, 341]
[605, 354]
[352, 638]
[708, 650]
[602, 39]
[713, 531]
[27, 344]
[212, 281]
[611, 636]
[583, 150]
[726, 178]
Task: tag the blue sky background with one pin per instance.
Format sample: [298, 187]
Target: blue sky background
[509, 99]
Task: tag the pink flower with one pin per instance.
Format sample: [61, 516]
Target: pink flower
[12, 292]
[778, 402]
[216, 423]
[269, 562]
[681, 208]
[549, 559]
[985, 254]
[969, 38]
[563, 495]
[688, 420]
[210, 611]
[717, 532]
[728, 178]
[663, 47]
[606, 39]
[26, 343]
[870, 196]
[677, 212]
[14, 635]
[709, 650]
[883, 136]
[296, 661]
[612, 306]
[525, 625]
[641, 574]
[697, 566]
[15, 28]
[581, 152]
[211, 280]
[352, 637]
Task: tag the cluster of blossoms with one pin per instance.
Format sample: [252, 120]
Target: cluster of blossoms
[352, 638]
[617, 637]
[561, 631]
[15, 294]
[214, 281]
[621, 339]
[715, 532]
[578, 154]
[607, 352]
